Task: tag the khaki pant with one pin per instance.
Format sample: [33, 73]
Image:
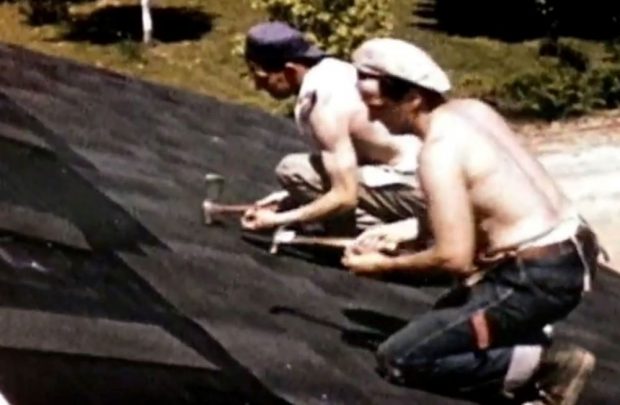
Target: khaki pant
[385, 194]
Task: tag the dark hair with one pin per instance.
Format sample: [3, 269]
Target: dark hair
[396, 89]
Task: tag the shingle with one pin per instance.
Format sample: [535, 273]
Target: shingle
[122, 172]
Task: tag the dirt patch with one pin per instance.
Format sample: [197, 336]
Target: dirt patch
[599, 129]
[584, 156]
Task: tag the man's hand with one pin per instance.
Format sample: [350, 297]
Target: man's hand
[272, 200]
[256, 219]
[387, 237]
[365, 262]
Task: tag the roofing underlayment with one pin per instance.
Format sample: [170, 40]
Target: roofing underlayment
[113, 291]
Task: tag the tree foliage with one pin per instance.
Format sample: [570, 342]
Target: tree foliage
[337, 26]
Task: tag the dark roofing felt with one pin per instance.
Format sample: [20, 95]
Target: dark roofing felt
[112, 290]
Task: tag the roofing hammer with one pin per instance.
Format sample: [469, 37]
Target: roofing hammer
[210, 208]
[289, 237]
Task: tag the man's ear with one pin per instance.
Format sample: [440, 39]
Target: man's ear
[291, 72]
[414, 100]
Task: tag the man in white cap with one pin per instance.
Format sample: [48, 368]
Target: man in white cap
[494, 213]
[361, 174]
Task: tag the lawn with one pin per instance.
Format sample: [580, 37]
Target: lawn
[198, 57]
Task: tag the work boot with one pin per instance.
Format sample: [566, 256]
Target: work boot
[562, 375]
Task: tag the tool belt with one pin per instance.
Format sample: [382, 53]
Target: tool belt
[584, 242]
[584, 237]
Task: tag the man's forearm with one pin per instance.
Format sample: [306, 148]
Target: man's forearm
[413, 261]
[323, 207]
[425, 260]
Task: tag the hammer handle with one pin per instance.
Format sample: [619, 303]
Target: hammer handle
[322, 240]
[337, 242]
[229, 208]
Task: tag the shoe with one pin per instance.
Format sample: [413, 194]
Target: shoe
[562, 375]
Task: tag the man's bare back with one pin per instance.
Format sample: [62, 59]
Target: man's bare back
[513, 198]
[338, 104]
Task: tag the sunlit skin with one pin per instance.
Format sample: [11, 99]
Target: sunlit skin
[468, 158]
[393, 115]
[339, 126]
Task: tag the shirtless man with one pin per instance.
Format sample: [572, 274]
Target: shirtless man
[494, 212]
[362, 175]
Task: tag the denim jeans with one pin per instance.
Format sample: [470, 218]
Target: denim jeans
[466, 342]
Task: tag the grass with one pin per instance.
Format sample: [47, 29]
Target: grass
[207, 66]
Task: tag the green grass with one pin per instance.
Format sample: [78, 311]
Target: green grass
[207, 65]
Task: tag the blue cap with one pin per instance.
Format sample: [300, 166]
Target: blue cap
[272, 44]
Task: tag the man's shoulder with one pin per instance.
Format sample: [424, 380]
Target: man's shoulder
[458, 116]
[448, 132]
[330, 77]
[328, 94]
[328, 67]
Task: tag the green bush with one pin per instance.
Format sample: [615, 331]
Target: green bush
[41, 12]
[607, 82]
[560, 92]
[613, 51]
[337, 26]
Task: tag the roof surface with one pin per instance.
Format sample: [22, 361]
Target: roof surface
[113, 291]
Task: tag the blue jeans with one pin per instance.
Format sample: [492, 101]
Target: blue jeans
[466, 342]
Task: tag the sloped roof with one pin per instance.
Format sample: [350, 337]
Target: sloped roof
[112, 290]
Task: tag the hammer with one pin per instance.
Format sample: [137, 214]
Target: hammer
[211, 209]
[289, 237]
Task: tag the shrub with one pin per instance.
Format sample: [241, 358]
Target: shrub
[607, 82]
[566, 55]
[613, 51]
[560, 92]
[41, 12]
[337, 26]
[545, 94]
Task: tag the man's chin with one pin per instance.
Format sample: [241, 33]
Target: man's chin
[396, 126]
[280, 96]
[389, 125]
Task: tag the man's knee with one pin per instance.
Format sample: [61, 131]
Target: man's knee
[293, 166]
[390, 362]
[302, 173]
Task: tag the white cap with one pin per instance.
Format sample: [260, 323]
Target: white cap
[403, 60]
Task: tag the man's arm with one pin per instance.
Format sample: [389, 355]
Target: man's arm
[331, 125]
[450, 212]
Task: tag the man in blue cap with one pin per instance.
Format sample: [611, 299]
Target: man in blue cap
[361, 174]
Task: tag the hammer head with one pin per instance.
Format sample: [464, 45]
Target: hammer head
[214, 187]
[207, 211]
